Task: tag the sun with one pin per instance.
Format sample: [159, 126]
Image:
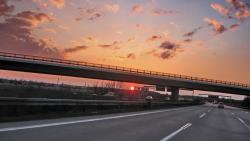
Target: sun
[132, 88]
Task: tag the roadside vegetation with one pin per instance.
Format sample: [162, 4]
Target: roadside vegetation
[246, 102]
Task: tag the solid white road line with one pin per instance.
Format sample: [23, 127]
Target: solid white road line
[202, 115]
[85, 120]
[176, 132]
[243, 122]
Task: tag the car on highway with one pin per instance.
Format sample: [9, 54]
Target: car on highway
[220, 105]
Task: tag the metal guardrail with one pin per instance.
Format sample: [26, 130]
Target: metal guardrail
[46, 101]
[16, 101]
[123, 69]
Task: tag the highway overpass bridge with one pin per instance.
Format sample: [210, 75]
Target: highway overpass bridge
[37, 64]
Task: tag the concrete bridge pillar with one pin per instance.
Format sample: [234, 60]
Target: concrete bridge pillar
[174, 93]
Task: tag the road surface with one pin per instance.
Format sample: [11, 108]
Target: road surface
[196, 123]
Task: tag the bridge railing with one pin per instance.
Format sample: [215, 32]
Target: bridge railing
[124, 69]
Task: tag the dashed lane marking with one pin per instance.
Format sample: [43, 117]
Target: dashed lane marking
[176, 132]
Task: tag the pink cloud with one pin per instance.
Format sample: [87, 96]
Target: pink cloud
[234, 26]
[141, 27]
[239, 9]
[194, 31]
[137, 9]
[242, 14]
[34, 18]
[16, 35]
[242, 11]
[222, 10]
[217, 26]
[5, 9]
[162, 12]
[89, 14]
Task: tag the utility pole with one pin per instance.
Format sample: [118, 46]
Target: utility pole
[193, 94]
[57, 81]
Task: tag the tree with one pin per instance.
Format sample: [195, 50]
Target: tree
[246, 102]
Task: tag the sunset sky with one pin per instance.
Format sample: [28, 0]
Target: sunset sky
[204, 38]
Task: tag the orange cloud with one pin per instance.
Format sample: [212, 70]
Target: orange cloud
[58, 3]
[114, 8]
[48, 42]
[34, 18]
[131, 56]
[108, 45]
[187, 40]
[75, 49]
[45, 3]
[154, 38]
[50, 30]
[167, 50]
[169, 45]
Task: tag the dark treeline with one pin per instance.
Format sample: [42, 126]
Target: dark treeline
[130, 100]
[246, 102]
[107, 90]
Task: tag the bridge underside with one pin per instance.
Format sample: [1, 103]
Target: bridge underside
[106, 74]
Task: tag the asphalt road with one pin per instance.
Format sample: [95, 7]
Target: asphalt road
[196, 123]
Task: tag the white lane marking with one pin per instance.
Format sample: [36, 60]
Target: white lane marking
[202, 115]
[209, 110]
[176, 132]
[243, 122]
[85, 120]
[232, 113]
[246, 112]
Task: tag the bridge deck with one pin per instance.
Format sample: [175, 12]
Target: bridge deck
[123, 69]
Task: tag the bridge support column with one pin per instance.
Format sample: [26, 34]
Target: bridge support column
[174, 93]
